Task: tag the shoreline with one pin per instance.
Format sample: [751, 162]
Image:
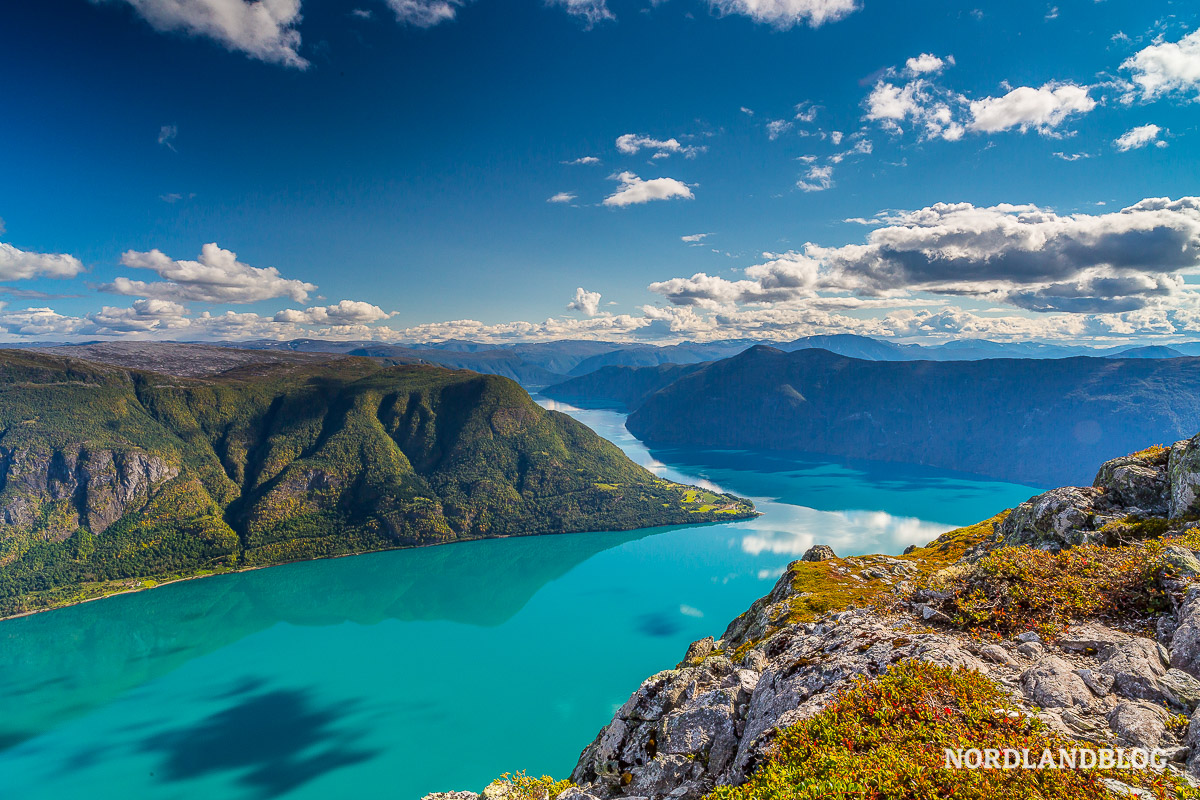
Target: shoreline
[159, 584]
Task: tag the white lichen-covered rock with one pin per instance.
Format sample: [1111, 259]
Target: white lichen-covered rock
[1060, 518]
[1139, 723]
[1053, 683]
[1138, 483]
[1185, 640]
[1184, 475]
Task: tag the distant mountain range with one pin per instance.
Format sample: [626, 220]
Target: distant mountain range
[1037, 421]
[539, 364]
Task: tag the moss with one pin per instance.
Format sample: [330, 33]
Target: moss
[885, 738]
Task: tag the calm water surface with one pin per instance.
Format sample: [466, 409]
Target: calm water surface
[395, 674]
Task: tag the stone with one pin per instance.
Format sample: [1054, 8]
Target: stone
[1091, 637]
[1139, 723]
[1183, 471]
[818, 552]
[1055, 520]
[1100, 683]
[456, 796]
[997, 655]
[1031, 650]
[1137, 483]
[1052, 683]
[1028, 636]
[699, 650]
[1183, 562]
[1185, 640]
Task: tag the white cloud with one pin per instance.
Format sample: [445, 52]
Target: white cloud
[345, 312]
[632, 143]
[262, 29]
[777, 127]
[1042, 109]
[166, 136]
[1165, 68]
[926, 63]
[817, 179]
[20, 264]
[694, 238]
[586, 302]
[1139, 137]
[787, 13]
[633, 190]
[424, 13]
[217, 277]
[583, 160]
[590, 11]
[930, 109]
[1022, 255]
[561, 197]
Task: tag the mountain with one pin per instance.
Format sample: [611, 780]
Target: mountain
[110, 476]
[1151, 351]
[1025, 420]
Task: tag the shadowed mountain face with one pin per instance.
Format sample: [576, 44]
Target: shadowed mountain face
[108, 474]
[1045, 422]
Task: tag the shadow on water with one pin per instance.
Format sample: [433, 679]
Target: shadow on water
[60, 664]
[274, 740]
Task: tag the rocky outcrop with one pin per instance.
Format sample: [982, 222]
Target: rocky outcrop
[1159, 483]
[818, 552]
[99, 485]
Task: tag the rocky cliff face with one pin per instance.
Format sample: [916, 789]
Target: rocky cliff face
[50, 494]
[1128, 677]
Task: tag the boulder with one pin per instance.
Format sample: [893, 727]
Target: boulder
[1139, 723]
[1053, 683]
[1136, 483]
[818, 552]
[1183, 470]
[1058, 519]
[1185, 641]
[1183, 562]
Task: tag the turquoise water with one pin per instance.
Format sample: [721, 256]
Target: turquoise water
[395, 674]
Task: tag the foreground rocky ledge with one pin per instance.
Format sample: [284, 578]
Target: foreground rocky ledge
[1122, 673]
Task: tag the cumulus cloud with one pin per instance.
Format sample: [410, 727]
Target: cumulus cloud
[1165, 68]
[788, 13]
[262, 29]
[632, 143]
[694, 238]
[561, 197]
[20, 264]
[590, 11]
[345, 312]
[1022, 255]
[1139, 137]
[424, 13]
[583, 160]
[216, 277]
[586, 302]
[633, 190]
[926, 63]
[816, 179]
[929, 109]
[1026, 108]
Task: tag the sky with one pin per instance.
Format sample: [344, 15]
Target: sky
[649, 170]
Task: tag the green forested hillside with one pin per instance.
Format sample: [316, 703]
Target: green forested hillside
[116, 475]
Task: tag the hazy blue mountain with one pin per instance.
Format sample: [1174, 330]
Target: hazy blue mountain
[1026, 420]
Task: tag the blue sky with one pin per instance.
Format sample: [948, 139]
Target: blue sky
[402, 171]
